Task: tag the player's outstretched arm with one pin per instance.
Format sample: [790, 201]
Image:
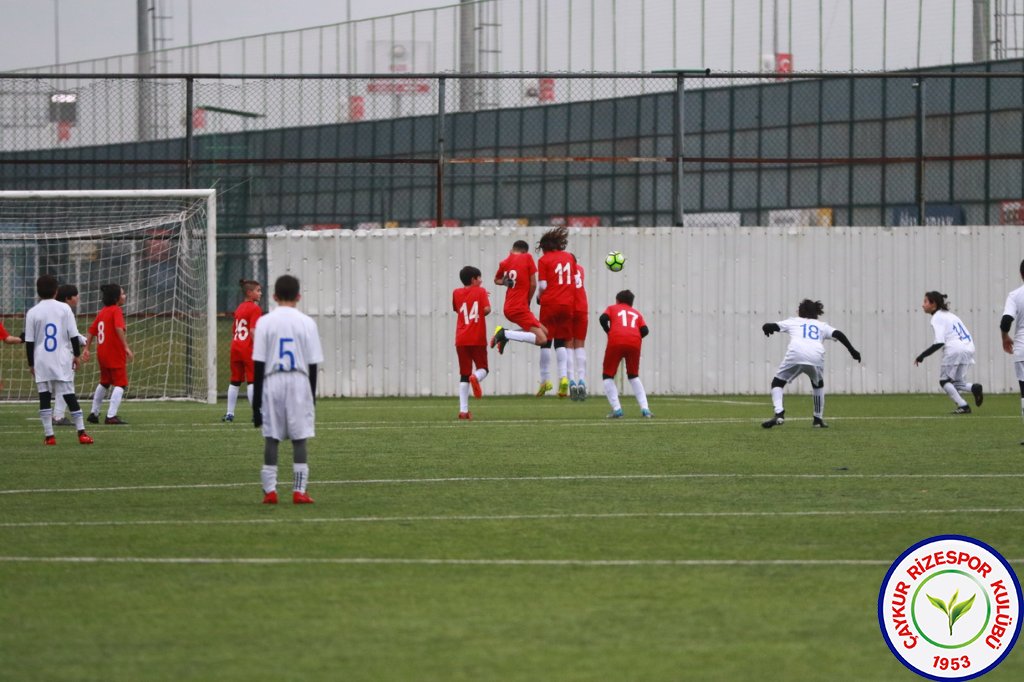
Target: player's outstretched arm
[841, 338]
[258, 369]
[770, 328]
[928, 351]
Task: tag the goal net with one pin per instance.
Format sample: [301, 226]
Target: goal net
[157, 244]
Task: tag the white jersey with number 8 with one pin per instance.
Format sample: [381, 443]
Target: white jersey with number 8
[50, 325]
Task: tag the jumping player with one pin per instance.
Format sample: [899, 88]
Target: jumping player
[471, 305]
[957, 352]
[246, 315]
[626, 329]
[556, 294]
[68, 293]
[112, 354]
[286, 352]
[53, 348]
[518, 272]
[804, 355]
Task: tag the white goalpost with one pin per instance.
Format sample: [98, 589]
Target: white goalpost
[159, 245]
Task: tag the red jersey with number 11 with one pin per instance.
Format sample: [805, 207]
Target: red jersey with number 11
[246, 315]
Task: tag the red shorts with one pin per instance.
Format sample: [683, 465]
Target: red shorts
[469, 356]
[524, 318]
[613, 355]
[558, 319]
[242, 369]
[580, 322]
[118, 376]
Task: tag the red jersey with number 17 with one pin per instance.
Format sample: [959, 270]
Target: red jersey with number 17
[624, 325]
[110, 350]
[470, 305]
[246, 315]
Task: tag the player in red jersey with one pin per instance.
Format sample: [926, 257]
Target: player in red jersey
[112, 353]
[471, 305]
[626, 329]
[576, 351]
[518, 272]
[556, 287]
[246, 315]
[7, 338]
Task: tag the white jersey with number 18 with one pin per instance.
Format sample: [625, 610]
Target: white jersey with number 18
[805, 341]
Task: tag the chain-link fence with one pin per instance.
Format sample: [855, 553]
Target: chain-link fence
[419, 150]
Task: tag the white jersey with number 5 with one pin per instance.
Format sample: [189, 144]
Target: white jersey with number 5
[287, 340]
[50, 325]
[1015, 308]
[950, 330]
[805, 341]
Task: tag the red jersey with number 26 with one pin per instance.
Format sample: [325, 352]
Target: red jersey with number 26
[470, 305]
[246, 315]
[109, 346]
[624, 325]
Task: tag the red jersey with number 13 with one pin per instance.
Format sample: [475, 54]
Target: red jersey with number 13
[246, 315]
[624, 325]
[109, 346]
[469, 304]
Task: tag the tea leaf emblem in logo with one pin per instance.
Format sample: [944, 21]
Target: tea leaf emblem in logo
[953, 611]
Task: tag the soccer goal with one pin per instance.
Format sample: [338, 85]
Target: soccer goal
[159, 245]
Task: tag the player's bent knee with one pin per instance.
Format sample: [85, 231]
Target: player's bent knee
[45, 400]
[559, 343]
[464, 378]
[546, 343]
[778, 383]
[820, 384]
[632, 376]
[607, 376]
[236, 383]
[72, 402]
[943, 382]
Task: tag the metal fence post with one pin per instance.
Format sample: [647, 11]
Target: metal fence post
[677, 153]
[189, 131]
[439, 204]
[919, 150]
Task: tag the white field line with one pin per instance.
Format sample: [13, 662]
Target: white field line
[272, 561]
[521, 479]
[459, 518]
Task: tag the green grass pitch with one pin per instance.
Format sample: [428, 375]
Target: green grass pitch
[538, 542]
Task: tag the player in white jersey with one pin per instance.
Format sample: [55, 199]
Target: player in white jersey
[957, 346]
[53, 348]
[286, 352]
[1013, 311]
[68, 293]
[804, 355]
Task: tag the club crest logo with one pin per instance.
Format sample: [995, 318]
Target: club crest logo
[949, 608]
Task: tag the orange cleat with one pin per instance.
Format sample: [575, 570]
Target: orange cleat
[49, 440]
[84, 438]
[474, 384]
[270, 498]
[301, 498]
[465, 415]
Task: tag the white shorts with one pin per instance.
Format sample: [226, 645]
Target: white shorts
[1018, 368]
[954, 373]
[288, 411]
[56, 387]
[788, 372]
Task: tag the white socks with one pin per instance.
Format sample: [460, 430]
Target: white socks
[525, 337]
[777, 398]
[232, 398]
[562, 358]
[301, 472]
[59, 407]
[612, 393]
[248, 393]
[46, 416]
[581, 363]
[464, 396]
[268, 477]
[545, 364]
[819, 401]
[953, 394]
[97, 398]
[115, 401]
[639, 392]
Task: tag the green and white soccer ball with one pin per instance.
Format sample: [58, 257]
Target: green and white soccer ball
[615, 260]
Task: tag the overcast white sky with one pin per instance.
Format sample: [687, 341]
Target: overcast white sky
[90, 29]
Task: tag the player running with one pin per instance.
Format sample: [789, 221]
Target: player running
[957, 352]
[112, 354]
[471, 305]
[246, 315]
[626, 329]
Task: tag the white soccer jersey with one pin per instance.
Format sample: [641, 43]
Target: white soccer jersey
[50, 325]
[1015, 308]
[805, 341]
[950, 330]
[287, 340]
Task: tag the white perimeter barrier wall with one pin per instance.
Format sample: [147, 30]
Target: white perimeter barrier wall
[382, 299]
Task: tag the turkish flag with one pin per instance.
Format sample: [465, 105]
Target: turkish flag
[63, 130]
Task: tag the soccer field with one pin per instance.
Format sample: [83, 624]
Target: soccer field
[538, 542]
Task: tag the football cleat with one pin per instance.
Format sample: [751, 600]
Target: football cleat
[819, 423]
[114, 420]
[84, 438]
[63, 421]
[778, 420]
[49, 440]
[474, 384]
[615, 414]
[466, 415]
[545, 386]
[581, 390]
[979, 394]
[93, 418]
[228, 418]
[499, 339]
[270, 498]
[574, 392]
[301, 498]
[563, 387]
[646, 414]
[962, 409]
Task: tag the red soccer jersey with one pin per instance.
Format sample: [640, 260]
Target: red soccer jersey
[470, 305]
[246, 315]
[519, 267]
[558, 269]
[580, 299]
[110, 350]
[3, 332]
[625, 325]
